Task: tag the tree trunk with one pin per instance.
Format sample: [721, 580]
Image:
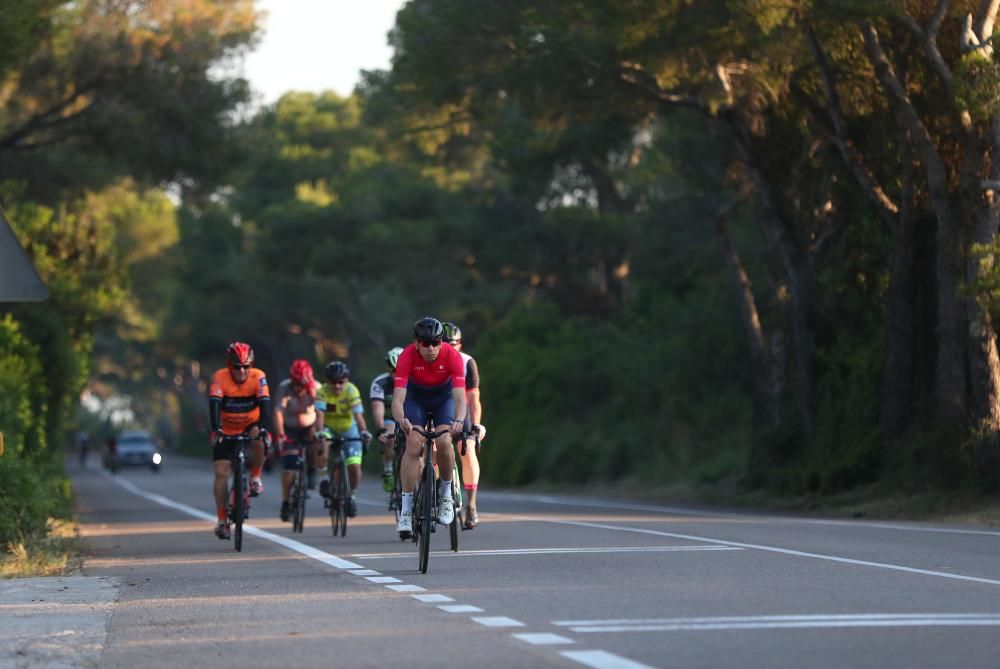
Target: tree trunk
[950, 381]
[765, 398]
[899, 376]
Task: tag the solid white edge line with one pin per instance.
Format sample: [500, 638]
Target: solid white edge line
[782, 618]
[758, 518]
[600, 659]
[775, 549]
[290, 544]
[802, 624]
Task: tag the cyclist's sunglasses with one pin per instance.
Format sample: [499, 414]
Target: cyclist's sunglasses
[430, 343]
[241, 366]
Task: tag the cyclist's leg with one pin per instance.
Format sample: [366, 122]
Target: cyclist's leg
[221, 456]
[388, 453]
[323, 464]
[470, 475]
[353, 452]
[289, 460]
[444, 414]
[410, 462]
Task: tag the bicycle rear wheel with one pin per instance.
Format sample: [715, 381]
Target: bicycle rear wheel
[238, 501]
[456, 496]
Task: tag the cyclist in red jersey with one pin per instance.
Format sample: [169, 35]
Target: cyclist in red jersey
[239, 402]
[429, 378]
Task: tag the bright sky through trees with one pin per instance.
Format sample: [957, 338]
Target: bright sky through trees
[316, 45]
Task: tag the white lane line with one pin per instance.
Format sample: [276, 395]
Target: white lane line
[364, 572]
[551, 551]
[290, 544]
[406, 588]
[745, 517]
[460, 608]
[774, 549]
[497, 621]
[542, 639]
[599, 659]
[383, 579]
[432, 598]
[784, 622]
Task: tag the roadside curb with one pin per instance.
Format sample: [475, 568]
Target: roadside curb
[59, 622]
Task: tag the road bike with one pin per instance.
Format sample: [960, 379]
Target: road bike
[426, 501]
[238, 494]
[297, 493]
[340, 485]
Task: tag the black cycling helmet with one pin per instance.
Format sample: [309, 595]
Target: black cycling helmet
[337, 370]
[452, 333]
[428, 328]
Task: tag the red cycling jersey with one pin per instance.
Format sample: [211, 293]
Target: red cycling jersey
[448, 365]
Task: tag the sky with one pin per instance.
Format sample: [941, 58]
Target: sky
[318, 45]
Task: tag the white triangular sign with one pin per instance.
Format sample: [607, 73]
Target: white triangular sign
[19, 282]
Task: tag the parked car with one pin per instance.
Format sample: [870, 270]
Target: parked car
[134, 448]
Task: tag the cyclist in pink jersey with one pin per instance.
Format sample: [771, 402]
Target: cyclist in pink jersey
[429, 379]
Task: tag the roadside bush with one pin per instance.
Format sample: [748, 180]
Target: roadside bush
[30, 494]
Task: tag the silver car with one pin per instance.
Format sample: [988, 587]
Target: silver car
[135, 448]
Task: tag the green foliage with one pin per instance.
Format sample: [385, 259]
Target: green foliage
[31, 492]
[977, 85]
[22, 401]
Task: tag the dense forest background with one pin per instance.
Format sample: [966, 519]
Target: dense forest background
[749, 241]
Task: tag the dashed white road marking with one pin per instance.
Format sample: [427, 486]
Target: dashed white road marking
[431, 599]
[383, 579]
[406, 587]
[497, 621]
[599, 659]
[542, 639]
[460, 608]
[364, 572]
[783, 622]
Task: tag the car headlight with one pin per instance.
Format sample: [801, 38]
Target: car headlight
[157, 458]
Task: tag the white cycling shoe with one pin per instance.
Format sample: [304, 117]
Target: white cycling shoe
[405, 522]
[446, 511]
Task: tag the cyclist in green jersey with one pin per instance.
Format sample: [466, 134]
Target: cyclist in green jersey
[341, 410]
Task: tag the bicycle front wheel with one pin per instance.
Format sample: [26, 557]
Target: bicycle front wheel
[299, 510]
[426, 510]
[345, 495]
[238, 502]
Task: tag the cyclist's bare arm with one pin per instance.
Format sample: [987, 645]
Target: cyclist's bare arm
[475, 407]
[398, 398]
[458, 395]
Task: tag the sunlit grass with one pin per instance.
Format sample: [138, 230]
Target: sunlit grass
[56, 553]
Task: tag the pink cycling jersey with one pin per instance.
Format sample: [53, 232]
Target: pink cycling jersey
[448, 366]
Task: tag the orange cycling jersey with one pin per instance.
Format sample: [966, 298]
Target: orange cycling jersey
[240, 401]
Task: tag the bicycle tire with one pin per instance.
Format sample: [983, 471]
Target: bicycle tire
[426, 510]
[332, 501]
[456, 496]
[298, 511]
[345, 496]
[239, 499]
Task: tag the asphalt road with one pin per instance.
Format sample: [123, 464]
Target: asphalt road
[542, 582]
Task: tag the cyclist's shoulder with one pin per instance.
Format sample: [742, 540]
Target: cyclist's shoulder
[352, 391]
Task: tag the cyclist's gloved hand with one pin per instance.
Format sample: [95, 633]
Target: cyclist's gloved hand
[481, 430]
[457, 427]
[214, 437]
[366, 437]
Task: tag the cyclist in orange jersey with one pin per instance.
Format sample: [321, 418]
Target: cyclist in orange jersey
[239, 403]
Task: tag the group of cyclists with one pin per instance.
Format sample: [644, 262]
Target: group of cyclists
[431, 377]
